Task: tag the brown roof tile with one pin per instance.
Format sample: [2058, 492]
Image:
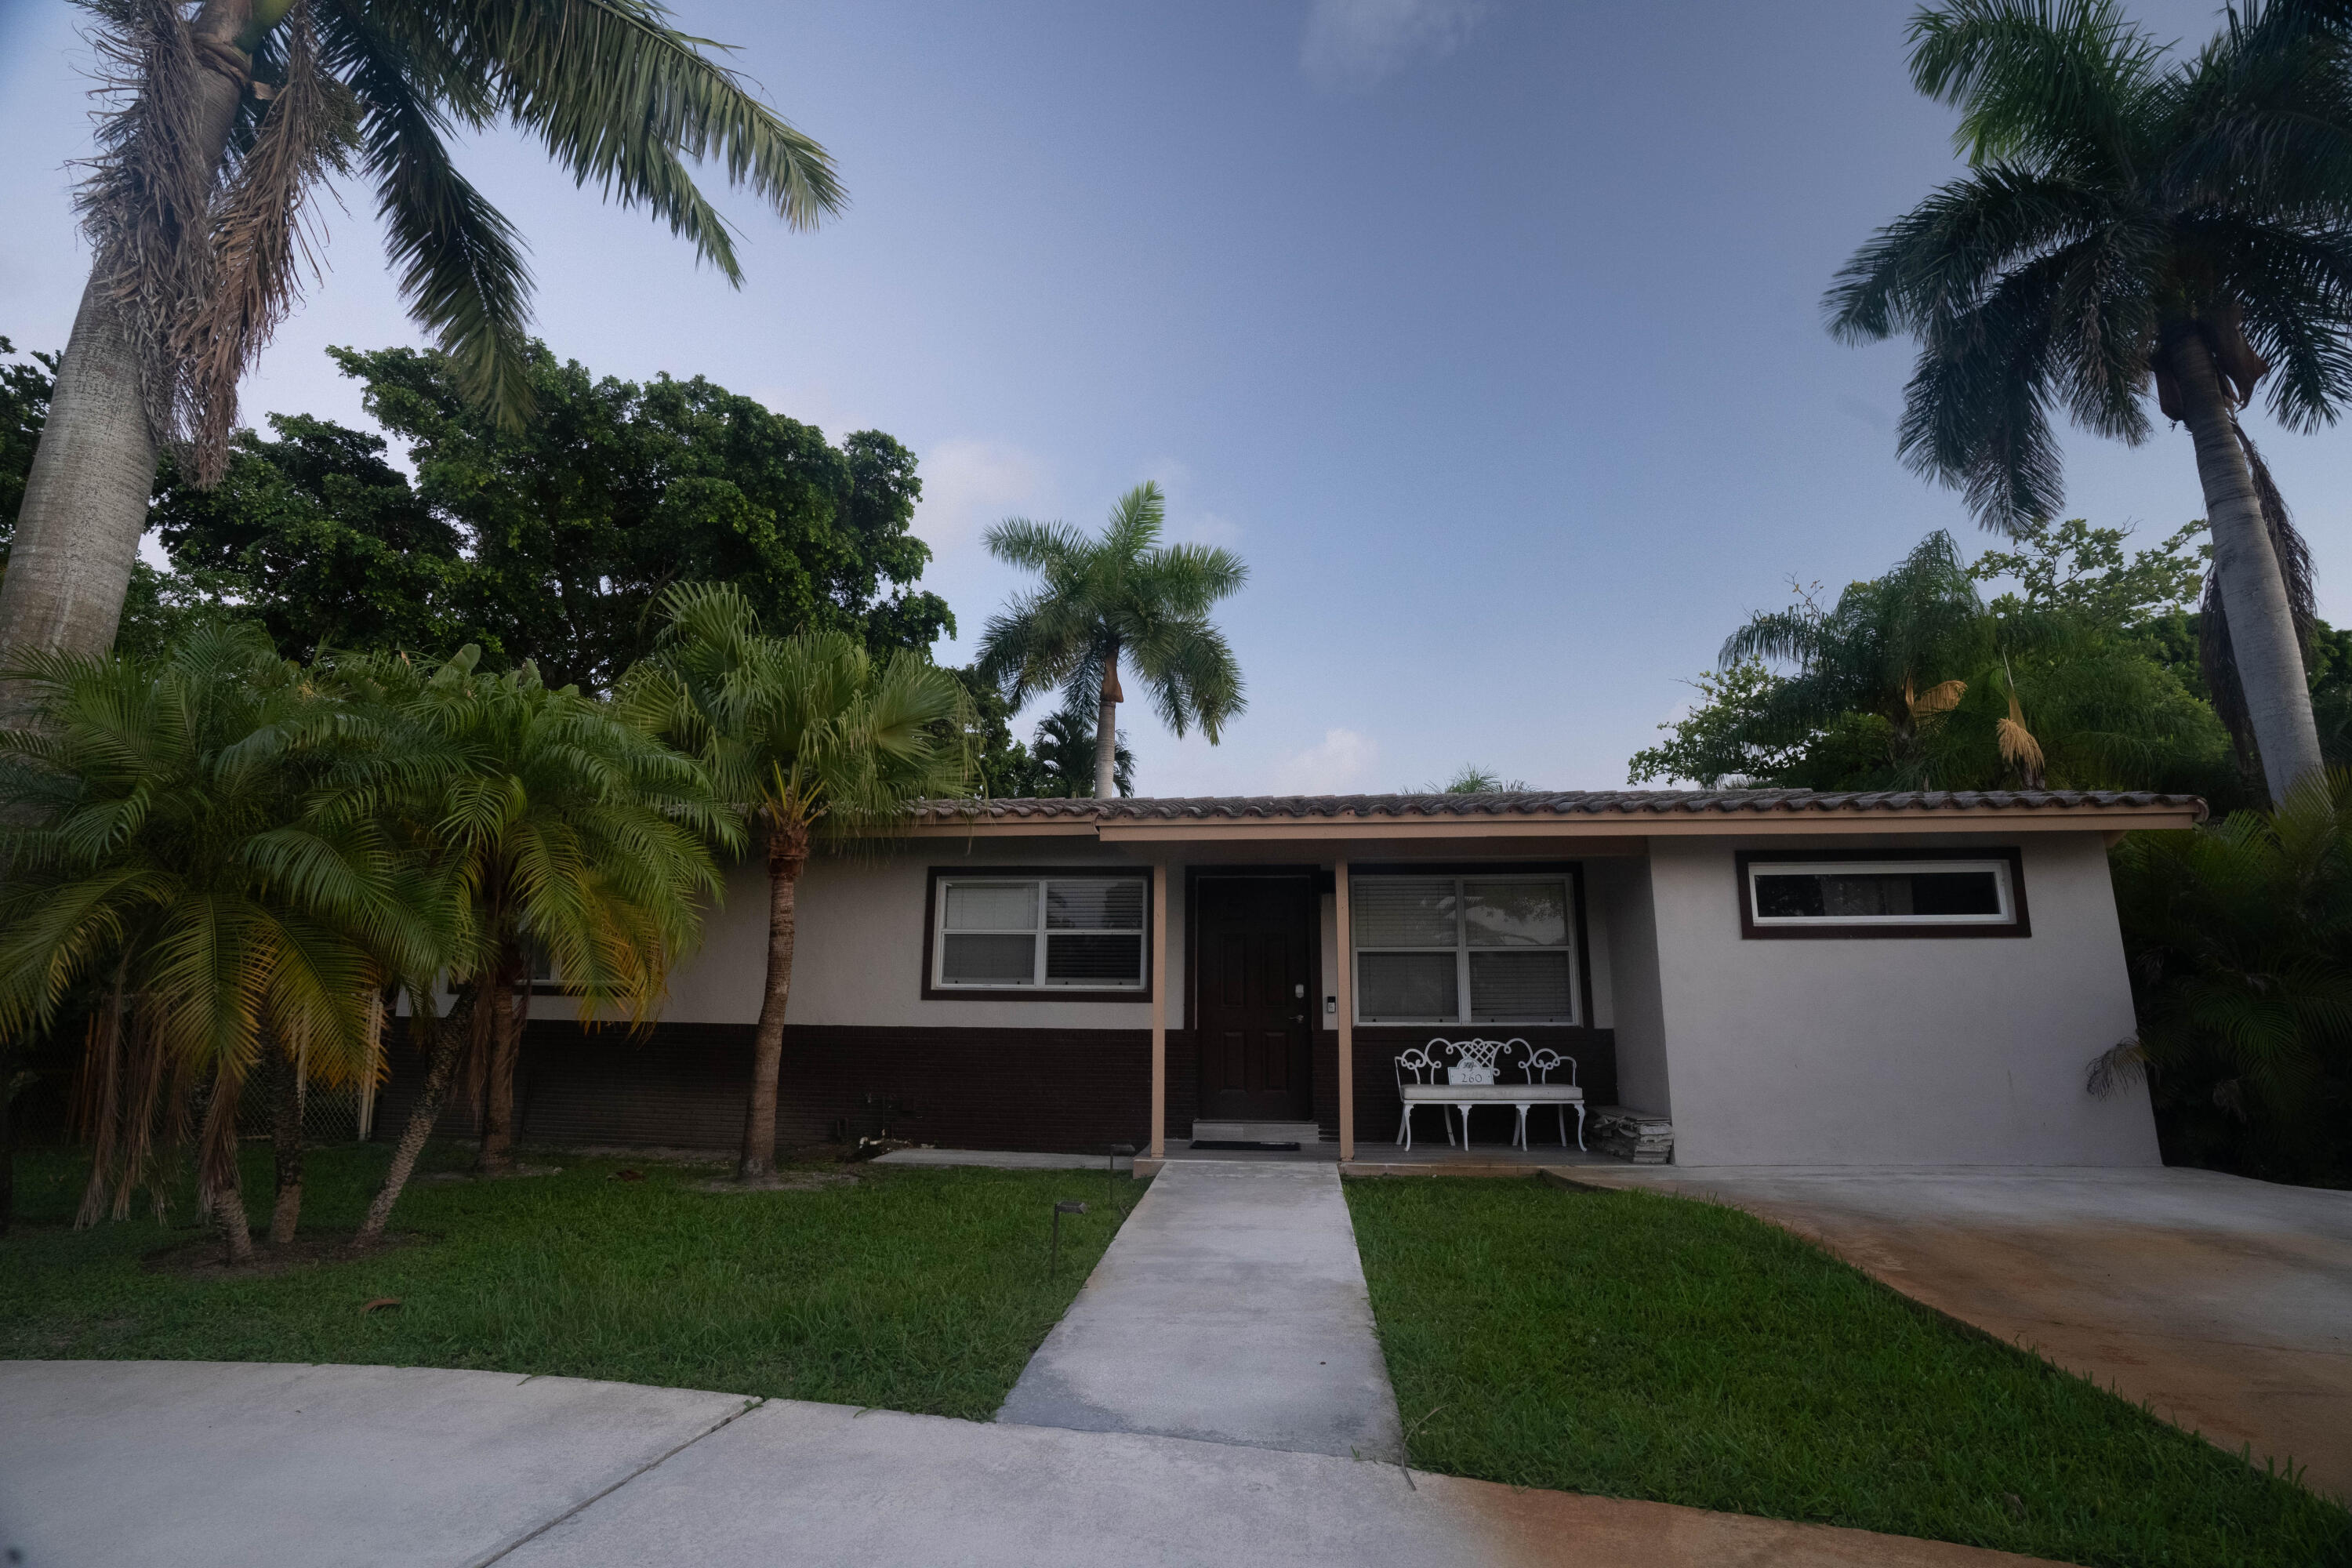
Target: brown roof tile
[1562, 802]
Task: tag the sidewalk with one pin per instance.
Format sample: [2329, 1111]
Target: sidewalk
[1230, 1309]
[212, 1465]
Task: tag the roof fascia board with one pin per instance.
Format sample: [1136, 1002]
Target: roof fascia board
[1729, 825]
[1077, 827]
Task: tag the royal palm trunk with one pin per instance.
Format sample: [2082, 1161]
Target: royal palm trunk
[85, 501]
[2254, 593]
[788, 853]
[1106, 729]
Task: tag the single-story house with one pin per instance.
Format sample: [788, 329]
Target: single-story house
[1788, 978]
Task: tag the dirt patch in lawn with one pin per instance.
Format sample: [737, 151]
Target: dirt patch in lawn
[208, 1258]
[783, 1182]
[512, 1173]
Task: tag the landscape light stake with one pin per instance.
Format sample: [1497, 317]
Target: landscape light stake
[1053, 1259]
[1110, 1169]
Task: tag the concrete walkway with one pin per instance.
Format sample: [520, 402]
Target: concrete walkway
[208, 1464]
[2224, 1304]
[1230, 1308]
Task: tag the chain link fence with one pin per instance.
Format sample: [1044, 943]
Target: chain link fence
[331, 1113]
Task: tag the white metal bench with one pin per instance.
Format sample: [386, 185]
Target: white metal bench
[1417, 1074]
[1469, 1081]
[1540, 1090]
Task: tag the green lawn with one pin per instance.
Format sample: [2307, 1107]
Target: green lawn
[1636, 1345]
[914, 1290]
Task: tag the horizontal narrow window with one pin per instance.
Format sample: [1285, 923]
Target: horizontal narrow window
[1039, 933]
[1909, 894]
[1460, 950]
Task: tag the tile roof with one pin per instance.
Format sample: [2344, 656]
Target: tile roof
[1554, 804]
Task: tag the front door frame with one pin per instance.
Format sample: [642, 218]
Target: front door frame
[1313, 876]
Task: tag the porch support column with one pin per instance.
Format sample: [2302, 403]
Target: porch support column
[1346, 971]
[1159, 982]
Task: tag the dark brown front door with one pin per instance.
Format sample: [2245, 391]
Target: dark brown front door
[1255, 996]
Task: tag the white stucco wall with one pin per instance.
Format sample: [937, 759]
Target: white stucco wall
[1599, 956]
[1620, 906]
[1885, 1051]
[859, 958]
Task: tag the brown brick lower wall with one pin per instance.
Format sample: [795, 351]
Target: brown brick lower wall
[1069, 1090]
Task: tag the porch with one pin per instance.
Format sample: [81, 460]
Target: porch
[1383, 1159]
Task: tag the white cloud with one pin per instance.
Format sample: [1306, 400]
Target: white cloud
[969, 484]
[1333, 765]
[1185, 524]
[1206, 528]
[1355, 44]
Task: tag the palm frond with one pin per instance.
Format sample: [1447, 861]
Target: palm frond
[457, 259]
[145, 199]
[618, 96]
[2067, 81]
[262, 240]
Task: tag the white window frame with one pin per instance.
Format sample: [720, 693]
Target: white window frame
[1462, 949]
[1997, 866]
[1041, 933]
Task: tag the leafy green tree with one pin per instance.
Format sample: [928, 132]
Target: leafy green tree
[2129, 220]
[809, 735]
[553, 541]
[24, 408]
[1721, 744]
[1003, 767]
[178, 846]
[224, 120]
[1910, 679]
[1123, 594]
[321, 540]
[2240, 939]
[2073, 568]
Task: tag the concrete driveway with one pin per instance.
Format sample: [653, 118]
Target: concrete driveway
[2225, 1304]
[212, 1465]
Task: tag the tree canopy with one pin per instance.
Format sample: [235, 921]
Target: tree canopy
[552, 542]
[23, 406]
[2082, 675]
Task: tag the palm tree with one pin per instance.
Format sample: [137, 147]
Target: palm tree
[1896, 649]
[182, 852]
[570, 834]
[223, 124]
[2129, 220]
[809, 735]
[2237, 936]
[1472, 779]
[1064, 747]
[1122, 594]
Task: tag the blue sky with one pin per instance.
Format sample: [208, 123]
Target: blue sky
[1488, 332]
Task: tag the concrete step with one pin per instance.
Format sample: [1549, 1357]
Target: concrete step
[1303, 1132]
